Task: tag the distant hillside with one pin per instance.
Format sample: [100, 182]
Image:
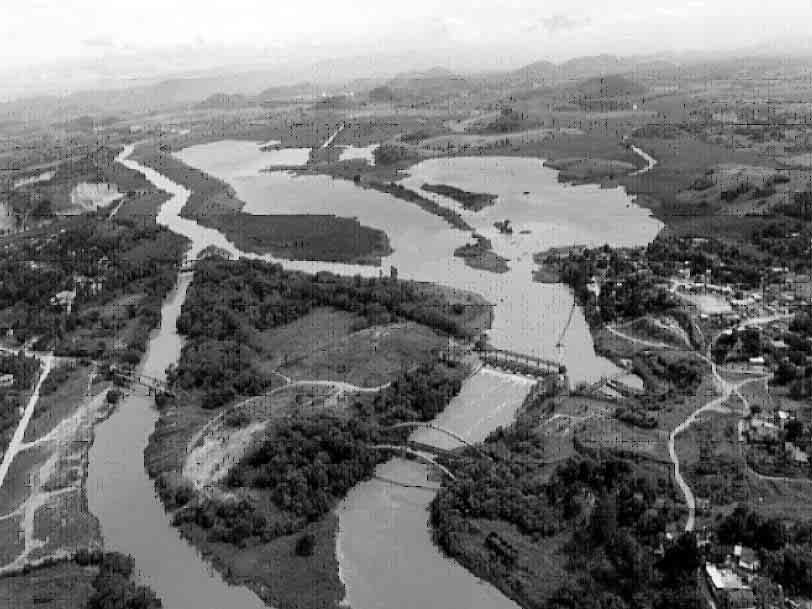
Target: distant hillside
[609, 87]
[434, 83]
[225, 101]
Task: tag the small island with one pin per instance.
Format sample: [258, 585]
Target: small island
[473, 201]
[480, 255]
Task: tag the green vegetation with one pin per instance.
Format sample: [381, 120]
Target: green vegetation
[12, 397]
[97, 263]
[474, 201]
[600, 515]
[479, 255]
[229, 302]
[308, 464]
[305, 237]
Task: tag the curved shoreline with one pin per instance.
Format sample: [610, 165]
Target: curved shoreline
[201, 237]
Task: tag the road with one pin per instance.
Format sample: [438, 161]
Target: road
[341, 386]
[19, 433]
[330, 139]
[650, 160]
[726, 389]
[645, 343]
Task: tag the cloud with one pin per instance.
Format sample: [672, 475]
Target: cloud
[99, 42]
[563, 23]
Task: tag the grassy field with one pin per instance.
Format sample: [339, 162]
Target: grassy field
[539, 570]
[16, 487]
[65, 525]
[54, 407]
[61, 586]
[10, 543]
[276, 573]
[368, 358]
[142, 207]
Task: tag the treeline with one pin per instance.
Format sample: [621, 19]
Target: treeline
[229, 302]
[419, 395]
[785, 551]
[114, 586]
[309, 463]
[607, 513]
[110, 260]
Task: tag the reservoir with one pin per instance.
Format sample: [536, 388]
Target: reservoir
[385, 551]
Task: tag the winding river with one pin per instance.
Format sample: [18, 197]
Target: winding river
[384, 546]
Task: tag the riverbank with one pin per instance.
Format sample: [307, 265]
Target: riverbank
[251, 531]
[519, 330]
[214, 204]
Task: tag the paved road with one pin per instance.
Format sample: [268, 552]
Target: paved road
[19, 433]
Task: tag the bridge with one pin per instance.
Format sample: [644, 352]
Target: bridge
[189, 261]
[520, 363]
[612, 382]
[420, 456]
[443, 430]
[152, 384]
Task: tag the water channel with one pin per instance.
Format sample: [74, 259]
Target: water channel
[385, 551]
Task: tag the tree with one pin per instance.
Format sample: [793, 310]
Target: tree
[305, 545]
[794, 429]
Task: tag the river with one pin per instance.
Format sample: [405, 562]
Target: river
[386, 555]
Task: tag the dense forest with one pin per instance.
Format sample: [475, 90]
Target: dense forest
[305, 464]
[309, 463]
[229, 302]
[606, 512]
[115, 587]
[101, 261]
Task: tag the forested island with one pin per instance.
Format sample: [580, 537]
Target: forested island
[473, 201]
[302, 450]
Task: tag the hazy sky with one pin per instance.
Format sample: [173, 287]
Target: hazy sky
[46, 31]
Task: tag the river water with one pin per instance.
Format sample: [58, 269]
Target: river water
[385, 552]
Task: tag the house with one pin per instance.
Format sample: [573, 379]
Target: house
[795, 454]
[6, 380]
[65, 299]
[728, 589]
[763, 431]
[747, 558]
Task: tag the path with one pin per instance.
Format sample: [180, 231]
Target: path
[19, 433]
[727, 389]
[650, 160]
[332, 138]
[640, 341]
[340, 385]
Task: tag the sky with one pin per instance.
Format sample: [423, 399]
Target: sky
[188, 33]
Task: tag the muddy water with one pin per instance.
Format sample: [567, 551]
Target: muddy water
[122, 497]
[386, 555]
[385, 551]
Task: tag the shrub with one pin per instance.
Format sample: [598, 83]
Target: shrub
[305, 545]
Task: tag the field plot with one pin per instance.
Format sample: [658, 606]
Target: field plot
[44, 491]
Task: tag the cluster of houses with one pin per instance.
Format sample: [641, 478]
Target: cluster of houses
[82, 285]
[770, 429]
[729, 581]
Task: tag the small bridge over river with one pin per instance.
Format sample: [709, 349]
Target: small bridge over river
[153, 385]
[520, 363]
[442, 430]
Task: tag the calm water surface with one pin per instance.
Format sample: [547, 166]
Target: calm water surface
[385, 550]
[386, 555]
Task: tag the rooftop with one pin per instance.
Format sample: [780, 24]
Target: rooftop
[724, 579]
